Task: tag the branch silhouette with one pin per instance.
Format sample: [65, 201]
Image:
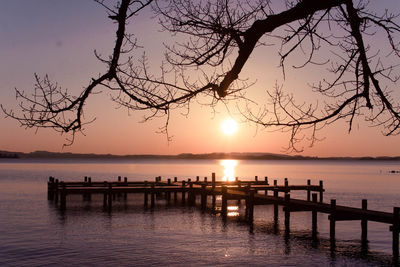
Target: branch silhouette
[219, 38]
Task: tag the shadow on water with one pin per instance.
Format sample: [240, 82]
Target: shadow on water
[353, 249]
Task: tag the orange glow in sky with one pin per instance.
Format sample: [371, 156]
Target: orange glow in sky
[59, 38]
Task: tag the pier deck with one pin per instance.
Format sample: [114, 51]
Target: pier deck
[236, 190]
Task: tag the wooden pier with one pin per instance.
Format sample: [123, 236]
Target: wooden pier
[256, 192]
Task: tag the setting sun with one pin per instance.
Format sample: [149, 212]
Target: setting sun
[229, 127]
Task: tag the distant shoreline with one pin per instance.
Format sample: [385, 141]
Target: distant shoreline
[212, 156]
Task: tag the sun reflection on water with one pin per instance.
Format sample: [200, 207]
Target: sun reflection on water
[233, 211]
[229, 169]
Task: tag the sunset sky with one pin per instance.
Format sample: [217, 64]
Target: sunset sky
[58, 38]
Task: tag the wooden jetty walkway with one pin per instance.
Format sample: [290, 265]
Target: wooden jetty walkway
[254, 192]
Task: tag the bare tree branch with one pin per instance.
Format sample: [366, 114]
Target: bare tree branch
[216, 40]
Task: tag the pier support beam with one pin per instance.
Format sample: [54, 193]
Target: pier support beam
[50, 189]
[314, 218]
[183, 193]
[175, 193]
[56, 193]
[332, 224]
[109, 196]
[276, 210]
[224, 201]
[250, 205]
[203, 197]
[105, 194]
[364, 224]
[321, 191]
[308, 190]
[287, 213]
[168, 193]
[395, 232]
[146, 195]
[152, 196]
[192, 195]
[213, 190]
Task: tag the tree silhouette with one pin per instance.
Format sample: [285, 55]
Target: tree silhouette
[218, 39]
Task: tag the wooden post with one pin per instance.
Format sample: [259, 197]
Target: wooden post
[197, 178]
[85, 194]
[119, 179]
[183, 193]
[146, 194]
[109, 196]
[50, 189]
[275, 182]
[203, 197]
[126, 183]
[395, 232]
[276, 210]
[213, 190]
[286, 183]
[308, 190]
[56, 191]
[287, 212]
[205, 179]
[152, 193]
[364, 224]
[332, 220]
[192, 195]
[239, 184]
[175, 179]
[168, 193]
[314, 217]
[266, 183]
[247, 191]
[250, 205]
[321, 191]
[89, 180]
[63, 200]
[224, 207]
[256, 178]
[105, 194]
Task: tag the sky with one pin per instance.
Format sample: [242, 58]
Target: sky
[58, 38]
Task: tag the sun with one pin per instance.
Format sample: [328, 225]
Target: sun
[229, 127]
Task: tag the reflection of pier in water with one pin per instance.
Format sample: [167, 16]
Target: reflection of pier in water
[251, 192]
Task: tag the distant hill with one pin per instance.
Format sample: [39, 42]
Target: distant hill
[232, 155]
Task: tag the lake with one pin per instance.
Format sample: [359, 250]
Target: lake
[34, 232]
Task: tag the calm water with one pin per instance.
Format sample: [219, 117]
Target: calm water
[33, 232]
